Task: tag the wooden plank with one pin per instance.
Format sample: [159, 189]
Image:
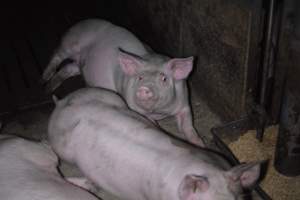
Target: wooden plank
[44, 35]
[6, 100]
[26, 44]
[39, 49]
[25, 61]
[35, 91]
[15, 76]
[40, 41]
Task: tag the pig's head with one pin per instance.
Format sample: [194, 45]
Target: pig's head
[225, 186]
[153, 82]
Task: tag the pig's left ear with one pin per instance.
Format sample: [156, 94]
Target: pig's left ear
[180, 67]
[245, 174]
[191, 185]
[129, 63]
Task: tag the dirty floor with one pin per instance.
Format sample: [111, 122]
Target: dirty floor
[248, 148]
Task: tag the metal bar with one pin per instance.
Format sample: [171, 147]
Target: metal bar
[266, 65]
[267, 49]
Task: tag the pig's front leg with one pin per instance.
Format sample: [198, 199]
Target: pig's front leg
[185, 126]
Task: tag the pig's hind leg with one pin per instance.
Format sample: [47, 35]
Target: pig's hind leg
[54, 63]
[67, 50]
[67, 71]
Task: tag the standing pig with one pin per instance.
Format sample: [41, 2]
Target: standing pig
[111, 57]
[125, 154]
[28, 172]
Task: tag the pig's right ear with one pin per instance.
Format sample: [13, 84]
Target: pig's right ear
[180, 67]
[129, 62]
[191, 185]
[246, 174]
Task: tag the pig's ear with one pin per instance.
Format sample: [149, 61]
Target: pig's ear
[180, 67]
[129, 63]
[246, 174]
[191, 185]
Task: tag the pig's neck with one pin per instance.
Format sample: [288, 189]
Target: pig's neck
[119, 81]
[158, 186]
[177, 172]
[166, 179]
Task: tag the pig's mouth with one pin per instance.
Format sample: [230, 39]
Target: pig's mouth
[147, 105]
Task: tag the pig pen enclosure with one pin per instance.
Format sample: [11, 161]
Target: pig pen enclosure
[244, 88]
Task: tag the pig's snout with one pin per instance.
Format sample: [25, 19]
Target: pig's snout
[144, 93]
[146, 97]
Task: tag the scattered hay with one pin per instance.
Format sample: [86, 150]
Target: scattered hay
[248, 148]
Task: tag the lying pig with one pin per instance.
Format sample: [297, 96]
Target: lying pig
[125, 154]
[111, 57]
[28, 172]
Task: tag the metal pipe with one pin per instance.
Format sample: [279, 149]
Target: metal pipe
[267, 55]
[266, 65]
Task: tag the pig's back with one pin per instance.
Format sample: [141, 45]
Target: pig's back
[83, 34]
[120, 143]
[122, 147]
[101, 65]
[29, 183]
[126, 147]
[20, 179]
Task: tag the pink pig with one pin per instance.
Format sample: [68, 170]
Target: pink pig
[28, 171]
[111, 57]
[125, 154]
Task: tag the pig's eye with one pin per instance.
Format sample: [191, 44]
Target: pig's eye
[140, 78]
[163, 77]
